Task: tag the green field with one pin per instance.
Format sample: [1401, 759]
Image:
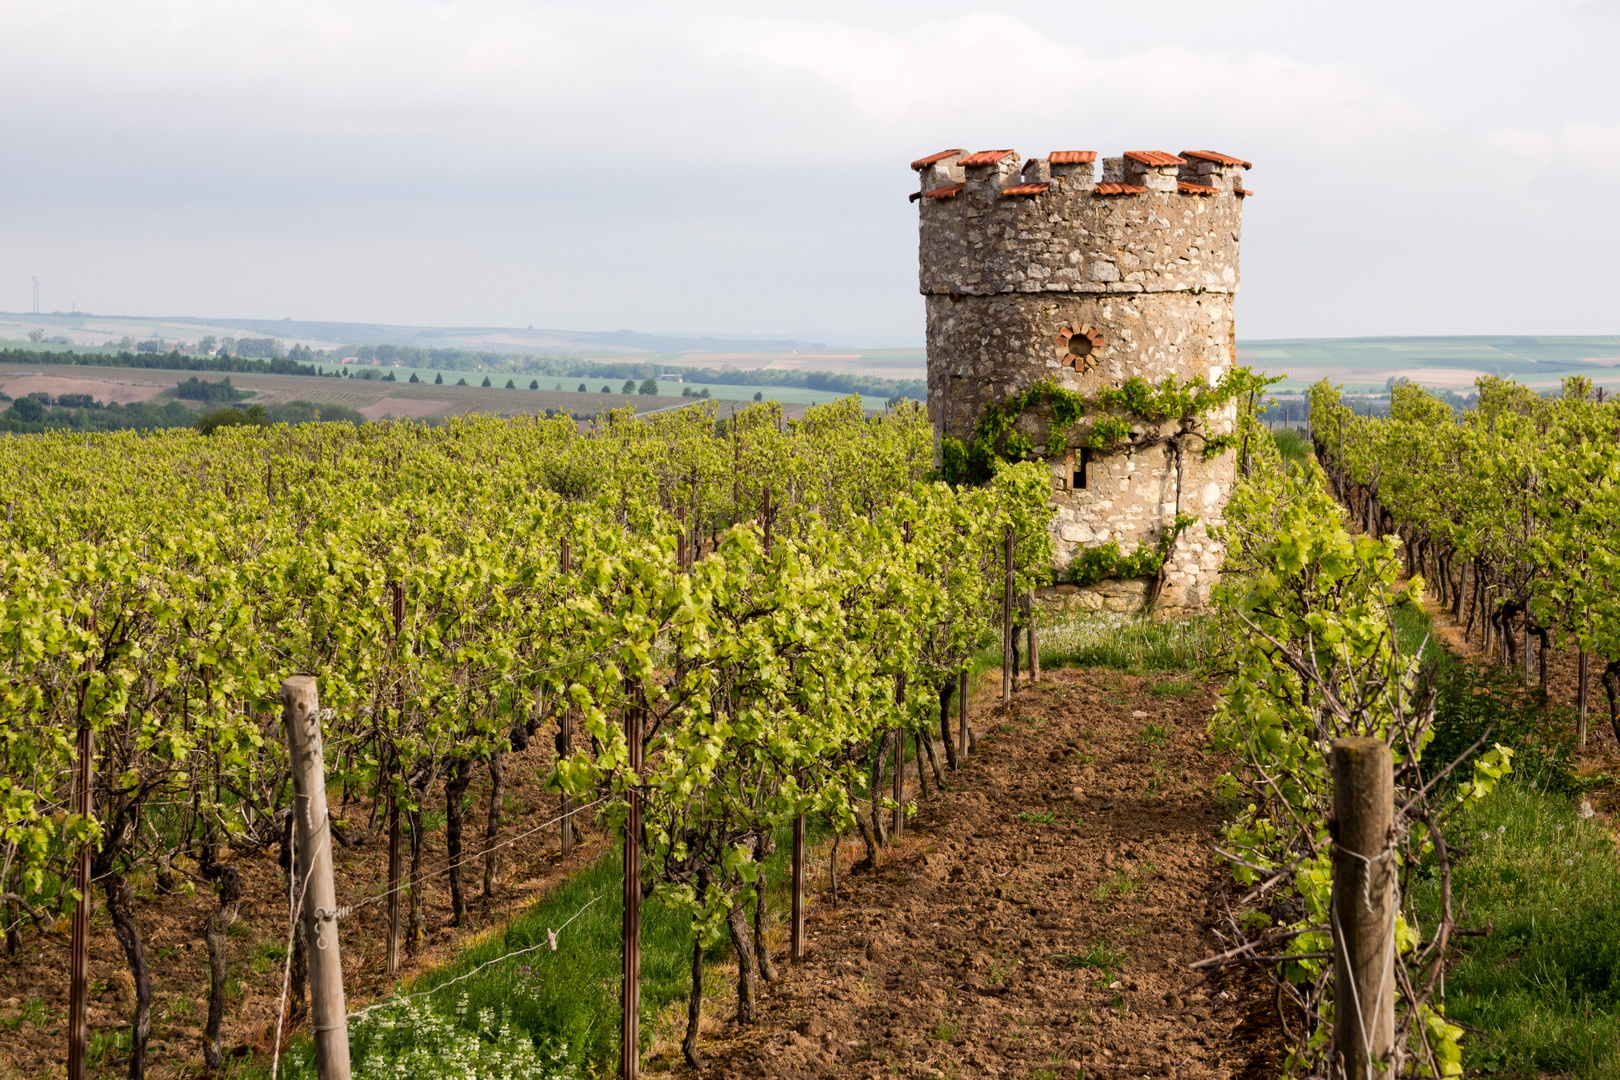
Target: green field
[376, 398]
[1449, 363]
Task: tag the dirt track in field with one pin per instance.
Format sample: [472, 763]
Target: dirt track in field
[1039, 917]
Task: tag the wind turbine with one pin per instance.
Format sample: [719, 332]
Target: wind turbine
[36, 292]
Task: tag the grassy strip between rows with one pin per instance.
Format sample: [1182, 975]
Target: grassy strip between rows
[542, 1014]
[1541, 992]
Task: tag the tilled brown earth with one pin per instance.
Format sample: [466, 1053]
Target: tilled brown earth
[1039, 918]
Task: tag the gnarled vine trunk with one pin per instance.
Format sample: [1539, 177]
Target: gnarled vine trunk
[121, 909]
[455, 791]
[492, 827]
[1611, 687]
[297, 991]
[229, 885]
[742, 940]
[947, 691]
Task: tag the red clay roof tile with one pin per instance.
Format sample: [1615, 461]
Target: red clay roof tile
[1196, 189]
[944, 192]
[1219, 159]
[1071, 157]
[985, 157]
[1025, 189]
[1154, 157]
[1244, 192]
[923, 163]
[1119, 189]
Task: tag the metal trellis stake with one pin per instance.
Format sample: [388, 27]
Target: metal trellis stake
[630, 996]
[565, 735]
[962, 716]
[79, 974]
[1007, 623]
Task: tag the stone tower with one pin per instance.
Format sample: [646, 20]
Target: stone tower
[1044, 271]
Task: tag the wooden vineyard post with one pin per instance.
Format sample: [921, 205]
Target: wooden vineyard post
[630, 994]
[1007, 622]
[79, 964]
[961, 716]
[1033, 644]
[798, 888]
[301, 711]
[565, 736]
[1363, 909]
[393, 806]
[1582, 685]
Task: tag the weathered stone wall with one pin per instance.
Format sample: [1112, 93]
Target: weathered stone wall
[1148, 258]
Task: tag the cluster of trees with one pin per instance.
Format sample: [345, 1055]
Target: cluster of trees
[174, 360]
[287, 412]
[79, 412]
[195, 389]
[572, 367]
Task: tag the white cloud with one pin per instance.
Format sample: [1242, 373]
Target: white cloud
[991, 65]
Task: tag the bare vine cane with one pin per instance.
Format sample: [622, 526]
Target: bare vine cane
[79, 964]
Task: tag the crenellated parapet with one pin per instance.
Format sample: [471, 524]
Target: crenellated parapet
[1154, 222]
[1087, 273]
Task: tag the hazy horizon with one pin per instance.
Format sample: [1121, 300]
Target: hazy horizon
[1421, 170]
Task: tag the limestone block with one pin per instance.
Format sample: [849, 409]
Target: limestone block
[1076, 533]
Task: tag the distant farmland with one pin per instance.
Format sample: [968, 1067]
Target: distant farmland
[1445, 363]
[372, 398]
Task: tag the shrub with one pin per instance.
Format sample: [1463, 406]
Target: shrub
[232, 417]
[195, 389]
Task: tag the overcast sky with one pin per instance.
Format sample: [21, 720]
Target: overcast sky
[1421, 167]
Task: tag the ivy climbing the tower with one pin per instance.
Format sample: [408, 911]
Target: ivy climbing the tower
[1117, 410]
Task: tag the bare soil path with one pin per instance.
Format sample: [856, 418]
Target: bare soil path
[1039, 918]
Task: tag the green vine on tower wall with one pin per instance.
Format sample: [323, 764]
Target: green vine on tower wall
[996, 438]
[996, 435]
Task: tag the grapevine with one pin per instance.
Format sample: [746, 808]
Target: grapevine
[156, 589]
